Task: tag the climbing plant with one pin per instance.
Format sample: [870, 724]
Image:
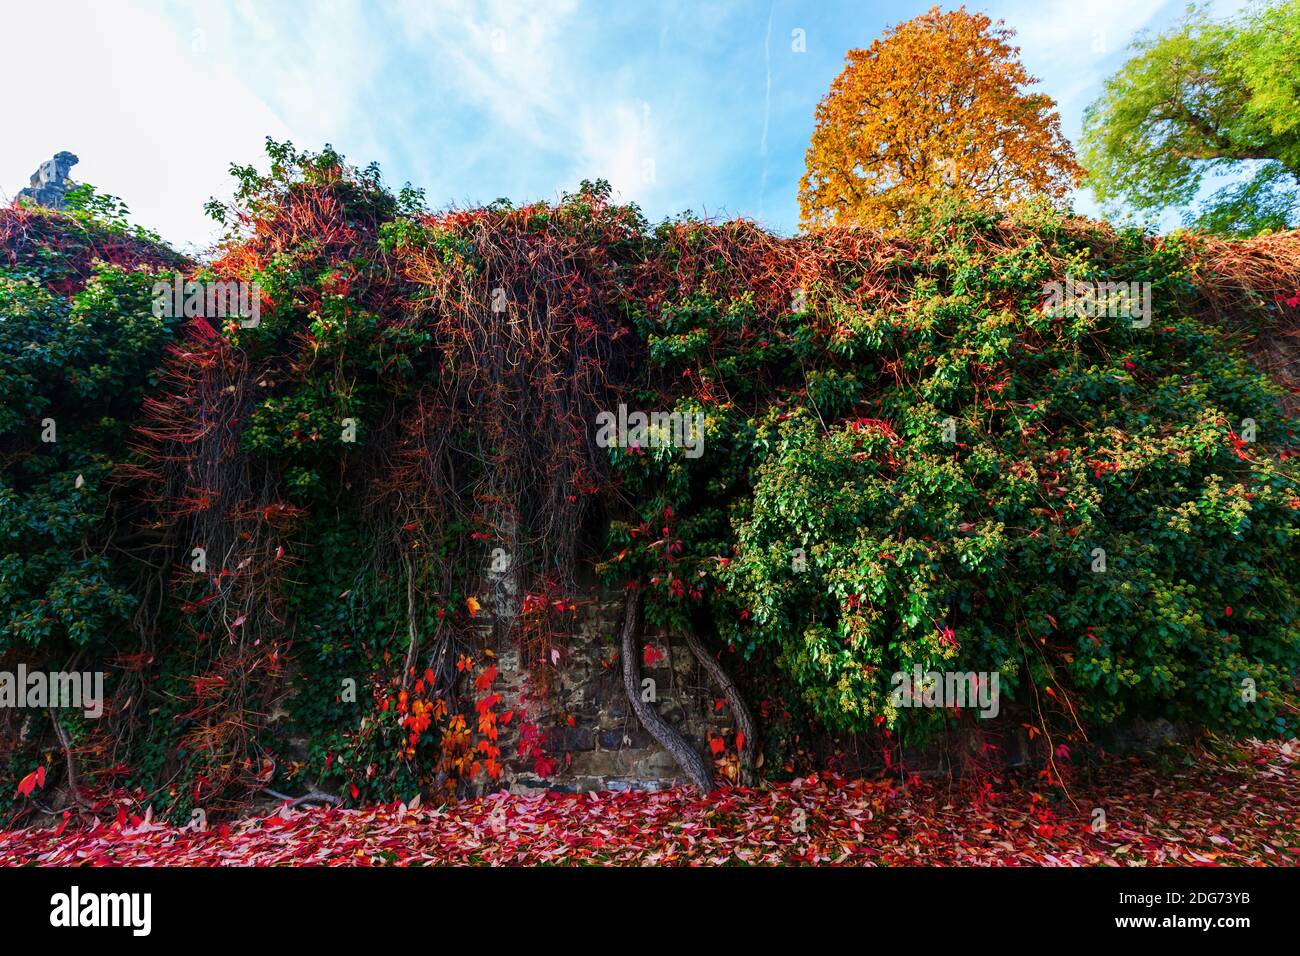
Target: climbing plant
[295, 541]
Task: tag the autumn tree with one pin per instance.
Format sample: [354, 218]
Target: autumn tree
[1207, 97]
[938, 106]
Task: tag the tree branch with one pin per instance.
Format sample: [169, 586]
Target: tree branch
[74, 784]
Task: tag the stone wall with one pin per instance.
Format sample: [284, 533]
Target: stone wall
[587, 725]
[50, 183]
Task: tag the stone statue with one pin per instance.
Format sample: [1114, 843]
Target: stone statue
[50, 183]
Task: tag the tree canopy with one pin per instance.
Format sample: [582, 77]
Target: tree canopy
[1206, 98]
[938, 106]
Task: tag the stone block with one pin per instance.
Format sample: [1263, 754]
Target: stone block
[563, 739]
[629, 739]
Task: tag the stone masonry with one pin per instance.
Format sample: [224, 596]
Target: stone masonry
[50, 183]
[587, 725]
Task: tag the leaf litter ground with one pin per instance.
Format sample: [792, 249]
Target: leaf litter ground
[1235, 806]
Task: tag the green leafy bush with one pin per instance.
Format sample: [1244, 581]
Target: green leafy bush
[922, 475]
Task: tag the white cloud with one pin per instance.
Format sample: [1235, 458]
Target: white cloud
[506, 58]
[618, 144]
[152, 117]
[526, 69]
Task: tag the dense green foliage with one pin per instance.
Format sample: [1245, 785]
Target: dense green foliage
[78, 347]
[833, 529]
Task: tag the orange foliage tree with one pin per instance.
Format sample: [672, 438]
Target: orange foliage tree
[938, 106]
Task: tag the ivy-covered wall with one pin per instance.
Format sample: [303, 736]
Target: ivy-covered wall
[280, 537]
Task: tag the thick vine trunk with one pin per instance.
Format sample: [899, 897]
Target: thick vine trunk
[74, 782]
[694, 765]
[413, 637]
[739, 709]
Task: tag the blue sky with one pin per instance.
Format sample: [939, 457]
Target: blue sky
[680, 104]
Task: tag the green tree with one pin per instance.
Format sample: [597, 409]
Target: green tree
[1208, 97]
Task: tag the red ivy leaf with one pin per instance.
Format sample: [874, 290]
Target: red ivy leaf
[30, 782]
